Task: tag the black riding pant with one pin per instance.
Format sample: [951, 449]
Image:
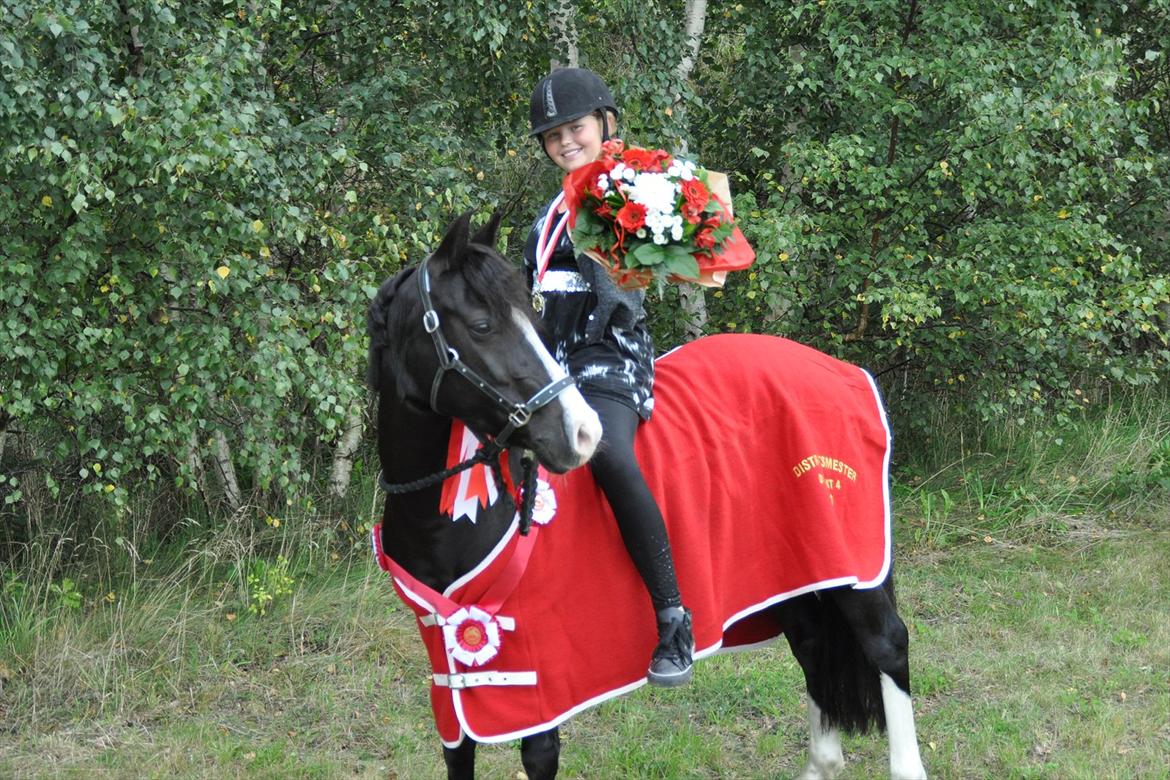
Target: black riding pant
[639, 519]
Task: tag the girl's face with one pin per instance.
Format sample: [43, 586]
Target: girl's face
[574, 143]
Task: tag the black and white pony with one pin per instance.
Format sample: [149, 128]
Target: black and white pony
[454, 338]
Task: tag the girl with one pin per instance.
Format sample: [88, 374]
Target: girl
[599, 332]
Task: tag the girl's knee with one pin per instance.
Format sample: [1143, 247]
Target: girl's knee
[613, 461]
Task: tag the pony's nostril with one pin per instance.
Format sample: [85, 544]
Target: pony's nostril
[588, 435]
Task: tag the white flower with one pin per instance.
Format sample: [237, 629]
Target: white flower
[617, 171]
[676, 233]
[641, 233]
[654, 191]
[603, 183]
[659, 238]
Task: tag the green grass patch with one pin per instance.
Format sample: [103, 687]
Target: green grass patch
[1028, 662]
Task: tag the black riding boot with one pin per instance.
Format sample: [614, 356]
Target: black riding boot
[672, 663]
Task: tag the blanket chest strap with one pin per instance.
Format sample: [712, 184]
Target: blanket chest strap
[473, 679]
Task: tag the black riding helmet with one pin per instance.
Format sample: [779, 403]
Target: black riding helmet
[567, 94]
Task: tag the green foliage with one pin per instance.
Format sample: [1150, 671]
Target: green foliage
[268, 583]
[65, 594]
[940, 192]
[164, 253]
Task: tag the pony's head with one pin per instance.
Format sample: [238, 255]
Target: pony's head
[475, 301]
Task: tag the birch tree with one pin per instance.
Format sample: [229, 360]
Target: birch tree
[691, 297]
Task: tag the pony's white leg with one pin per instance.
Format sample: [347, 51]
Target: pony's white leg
[905, 761]
[825, 758]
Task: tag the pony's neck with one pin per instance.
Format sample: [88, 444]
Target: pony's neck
[430, 545]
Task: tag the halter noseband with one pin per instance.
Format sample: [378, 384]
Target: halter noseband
[518, 413]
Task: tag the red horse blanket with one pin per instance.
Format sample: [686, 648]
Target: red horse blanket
[770, 462]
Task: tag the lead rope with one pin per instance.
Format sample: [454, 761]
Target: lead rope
[524, 498]
[489, 455]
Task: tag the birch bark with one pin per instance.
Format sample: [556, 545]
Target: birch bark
[343, 456]
[564, 22]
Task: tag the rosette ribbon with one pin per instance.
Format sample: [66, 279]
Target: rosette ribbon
[472, 636]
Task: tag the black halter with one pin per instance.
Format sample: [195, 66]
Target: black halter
[518, 413]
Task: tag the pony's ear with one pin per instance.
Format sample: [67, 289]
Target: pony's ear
[486, 235]
[454, 242]
[381, 322]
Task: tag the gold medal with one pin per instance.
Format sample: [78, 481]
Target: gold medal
[538, 302]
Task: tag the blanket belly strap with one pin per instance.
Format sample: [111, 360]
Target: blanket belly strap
[474, 679]
[433, 619]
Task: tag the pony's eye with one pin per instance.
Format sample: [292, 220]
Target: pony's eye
[481, 327]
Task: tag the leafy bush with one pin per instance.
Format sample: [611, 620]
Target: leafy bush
[267, 583]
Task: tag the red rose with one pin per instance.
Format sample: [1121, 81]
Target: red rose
[631, 216]
[704, 238]
[646, 159]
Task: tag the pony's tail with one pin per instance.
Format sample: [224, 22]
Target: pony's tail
[845, 684]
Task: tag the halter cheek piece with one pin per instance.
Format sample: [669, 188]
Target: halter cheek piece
[518, 413]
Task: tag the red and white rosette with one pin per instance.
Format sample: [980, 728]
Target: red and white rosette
[544, 508]
[472, 636]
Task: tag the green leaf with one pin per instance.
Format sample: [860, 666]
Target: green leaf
[647, 255]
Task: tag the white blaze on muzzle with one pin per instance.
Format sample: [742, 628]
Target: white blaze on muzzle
[582, 428]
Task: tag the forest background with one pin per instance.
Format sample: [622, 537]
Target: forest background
[197, 201]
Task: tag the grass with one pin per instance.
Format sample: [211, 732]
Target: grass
[1031, 573]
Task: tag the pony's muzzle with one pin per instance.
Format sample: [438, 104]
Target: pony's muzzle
[587, 437]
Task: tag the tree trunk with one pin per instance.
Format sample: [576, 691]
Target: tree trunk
[696, 20]
[564, 24]
[4, 419]
[343, 457]
[194, 463]
[222, 456]
[691, 296]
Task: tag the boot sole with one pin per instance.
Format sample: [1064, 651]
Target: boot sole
[671, 680]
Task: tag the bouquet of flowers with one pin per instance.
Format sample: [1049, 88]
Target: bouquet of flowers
[643, 214]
